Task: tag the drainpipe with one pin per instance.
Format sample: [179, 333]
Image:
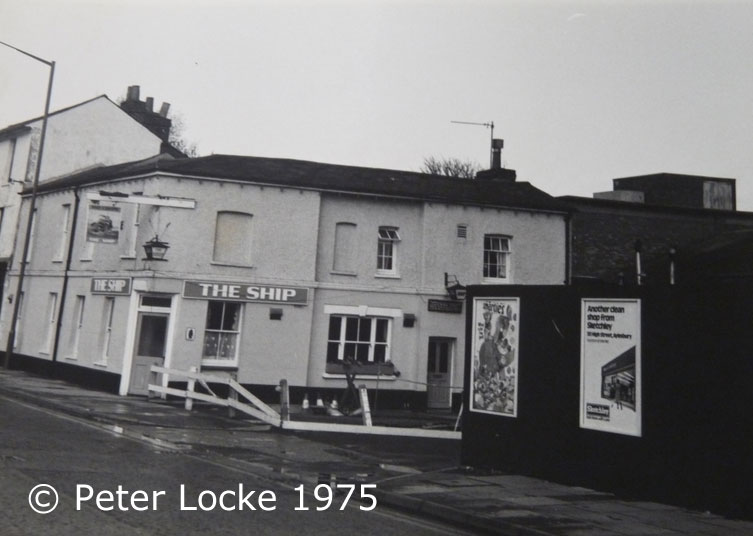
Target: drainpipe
[64, 290]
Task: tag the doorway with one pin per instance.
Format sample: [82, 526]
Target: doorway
[150, 344]
[439, 373]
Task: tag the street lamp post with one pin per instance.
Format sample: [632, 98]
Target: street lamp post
[30, 219]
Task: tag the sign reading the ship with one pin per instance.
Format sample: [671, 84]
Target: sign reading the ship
[120, 286]
[245, 292]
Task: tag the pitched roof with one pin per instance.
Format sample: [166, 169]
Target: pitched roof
[22, 124]
[329, 177]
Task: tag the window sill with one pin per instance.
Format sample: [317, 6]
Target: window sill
[365, 377]
[71, 358]
[224, 365]
[386, 370]
[85, 260]
[57, 261]
[387, 276]
[495, 280]
[128, 257]
[337, 272]
[232, 265]
[100, 364]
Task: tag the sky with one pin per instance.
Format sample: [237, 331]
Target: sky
[582, 92]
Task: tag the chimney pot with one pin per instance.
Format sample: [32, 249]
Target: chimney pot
[164, 109]
[149, 104]
[133, 93]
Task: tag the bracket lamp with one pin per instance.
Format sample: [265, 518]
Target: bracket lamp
[455, 290]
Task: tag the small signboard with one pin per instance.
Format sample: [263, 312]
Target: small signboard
[246, 292]
[445, 306]
[116, 286]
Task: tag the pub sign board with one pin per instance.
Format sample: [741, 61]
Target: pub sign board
[245, 292]
[445, 306]
[114, 286]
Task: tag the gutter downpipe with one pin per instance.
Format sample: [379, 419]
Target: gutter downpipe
[66, 277]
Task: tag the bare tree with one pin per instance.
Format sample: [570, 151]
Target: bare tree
[177, 138]
[451, 167]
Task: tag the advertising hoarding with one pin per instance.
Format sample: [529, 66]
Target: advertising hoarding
[610, 385]
[494, 368]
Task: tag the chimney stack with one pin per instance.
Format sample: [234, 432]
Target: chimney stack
[497, 172]
[143, 112]
[497, 145]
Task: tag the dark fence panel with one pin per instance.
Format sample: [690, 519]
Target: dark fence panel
[696, 446]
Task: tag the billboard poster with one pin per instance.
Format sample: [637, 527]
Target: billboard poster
[494, 351]
[610, 366]
[103, 224]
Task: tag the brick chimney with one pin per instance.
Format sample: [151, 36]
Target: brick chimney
[142, 111]
[497, 172]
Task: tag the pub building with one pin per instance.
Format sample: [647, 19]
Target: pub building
[269, 269]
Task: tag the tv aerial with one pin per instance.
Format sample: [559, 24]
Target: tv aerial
[495, 144]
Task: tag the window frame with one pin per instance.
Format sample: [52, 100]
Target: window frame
[388, 238]
[216, 361]
[506, 255]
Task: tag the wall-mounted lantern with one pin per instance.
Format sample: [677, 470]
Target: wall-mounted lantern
[155, 249]
[455, 290]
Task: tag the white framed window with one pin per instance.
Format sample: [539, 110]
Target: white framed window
[222, 334]
[233, 238]
[388, 238]
[108, 313]
[32, 233]
[131, 231]
[9, 157]
[496, 257]
[65, 221]
[359, 338]
[78, 326]
[52, 317]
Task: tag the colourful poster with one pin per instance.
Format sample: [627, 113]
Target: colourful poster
[494, 371]
[610, 396]
[103, 224]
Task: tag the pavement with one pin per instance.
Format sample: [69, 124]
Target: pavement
[420, 476]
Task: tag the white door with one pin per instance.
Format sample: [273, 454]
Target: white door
[151, 340]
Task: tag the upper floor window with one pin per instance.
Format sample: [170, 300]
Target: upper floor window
[345, 247]
[7, 161]
[496, 256]
[387, 251]
[65, 219]
[232, 238]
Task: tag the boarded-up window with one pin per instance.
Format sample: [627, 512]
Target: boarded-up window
[345, 247]
[232, 238]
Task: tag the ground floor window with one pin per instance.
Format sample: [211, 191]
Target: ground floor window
[222, 333]
[362, 339]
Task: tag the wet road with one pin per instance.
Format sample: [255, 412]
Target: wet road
[146, 489]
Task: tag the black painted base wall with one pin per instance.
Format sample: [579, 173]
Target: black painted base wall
[696, 447]
[86, 377]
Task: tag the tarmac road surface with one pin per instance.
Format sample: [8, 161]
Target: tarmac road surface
[108, 484]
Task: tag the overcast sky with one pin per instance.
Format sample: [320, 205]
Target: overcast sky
[581, 92]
